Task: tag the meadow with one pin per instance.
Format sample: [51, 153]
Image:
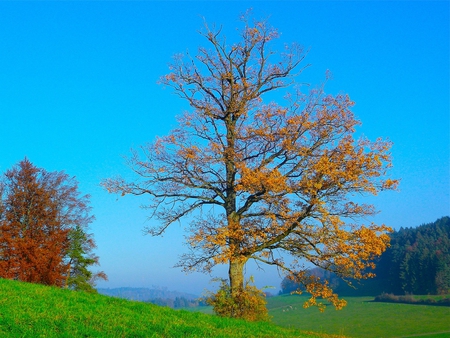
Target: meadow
[31, 310]
[363, 318]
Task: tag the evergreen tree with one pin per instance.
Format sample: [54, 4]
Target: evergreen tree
[80, 258]
[418, 260]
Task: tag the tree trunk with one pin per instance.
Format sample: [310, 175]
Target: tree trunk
[236, 275]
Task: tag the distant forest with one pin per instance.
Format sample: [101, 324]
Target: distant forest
[158, 296]
[417, 262]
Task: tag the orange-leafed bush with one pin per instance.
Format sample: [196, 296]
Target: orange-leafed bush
[248, 303]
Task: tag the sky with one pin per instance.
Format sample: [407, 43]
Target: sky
[78, 90]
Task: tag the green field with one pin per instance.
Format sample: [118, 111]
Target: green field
[29, 310]
[363, 318]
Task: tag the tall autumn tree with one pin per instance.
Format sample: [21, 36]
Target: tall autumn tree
[38, 212]
[262, 180]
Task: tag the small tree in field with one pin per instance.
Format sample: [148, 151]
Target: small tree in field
[267, 180]
[79, 259]
[39, 211]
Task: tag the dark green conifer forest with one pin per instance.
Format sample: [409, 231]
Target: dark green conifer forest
[417, 262]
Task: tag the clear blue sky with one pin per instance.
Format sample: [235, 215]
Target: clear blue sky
[78, 90]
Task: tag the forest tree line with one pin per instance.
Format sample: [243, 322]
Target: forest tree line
[417, 262]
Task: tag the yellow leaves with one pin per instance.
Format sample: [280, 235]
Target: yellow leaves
[224, 240]
[348, 165]
[248, 303]
[245, 83]
[262, 180]
[189, 153]
[354, 250]
[170, 77]
[253, 35]
[390, 184]
[319, 289]
[374, 244]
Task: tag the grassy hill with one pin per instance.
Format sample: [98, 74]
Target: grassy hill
[30, 310]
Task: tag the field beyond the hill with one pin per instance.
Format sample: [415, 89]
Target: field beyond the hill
[363, 318]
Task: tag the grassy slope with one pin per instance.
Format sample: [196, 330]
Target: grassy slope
[362, 318]
[28, 310]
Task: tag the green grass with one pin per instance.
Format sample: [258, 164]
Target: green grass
[363, 318]
[29, 310]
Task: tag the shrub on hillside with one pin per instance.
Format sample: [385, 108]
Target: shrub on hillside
[249, 303]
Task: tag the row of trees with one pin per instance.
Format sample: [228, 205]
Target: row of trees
[43, 229]
[417, 262]
[178, 302]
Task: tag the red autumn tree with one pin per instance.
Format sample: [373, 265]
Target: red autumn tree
[38, 210]
[263, 180]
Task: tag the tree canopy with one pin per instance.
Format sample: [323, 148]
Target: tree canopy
[263, 180]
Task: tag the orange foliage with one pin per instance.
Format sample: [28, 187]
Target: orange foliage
[266, 178]
[37, 211]
[248, 303]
